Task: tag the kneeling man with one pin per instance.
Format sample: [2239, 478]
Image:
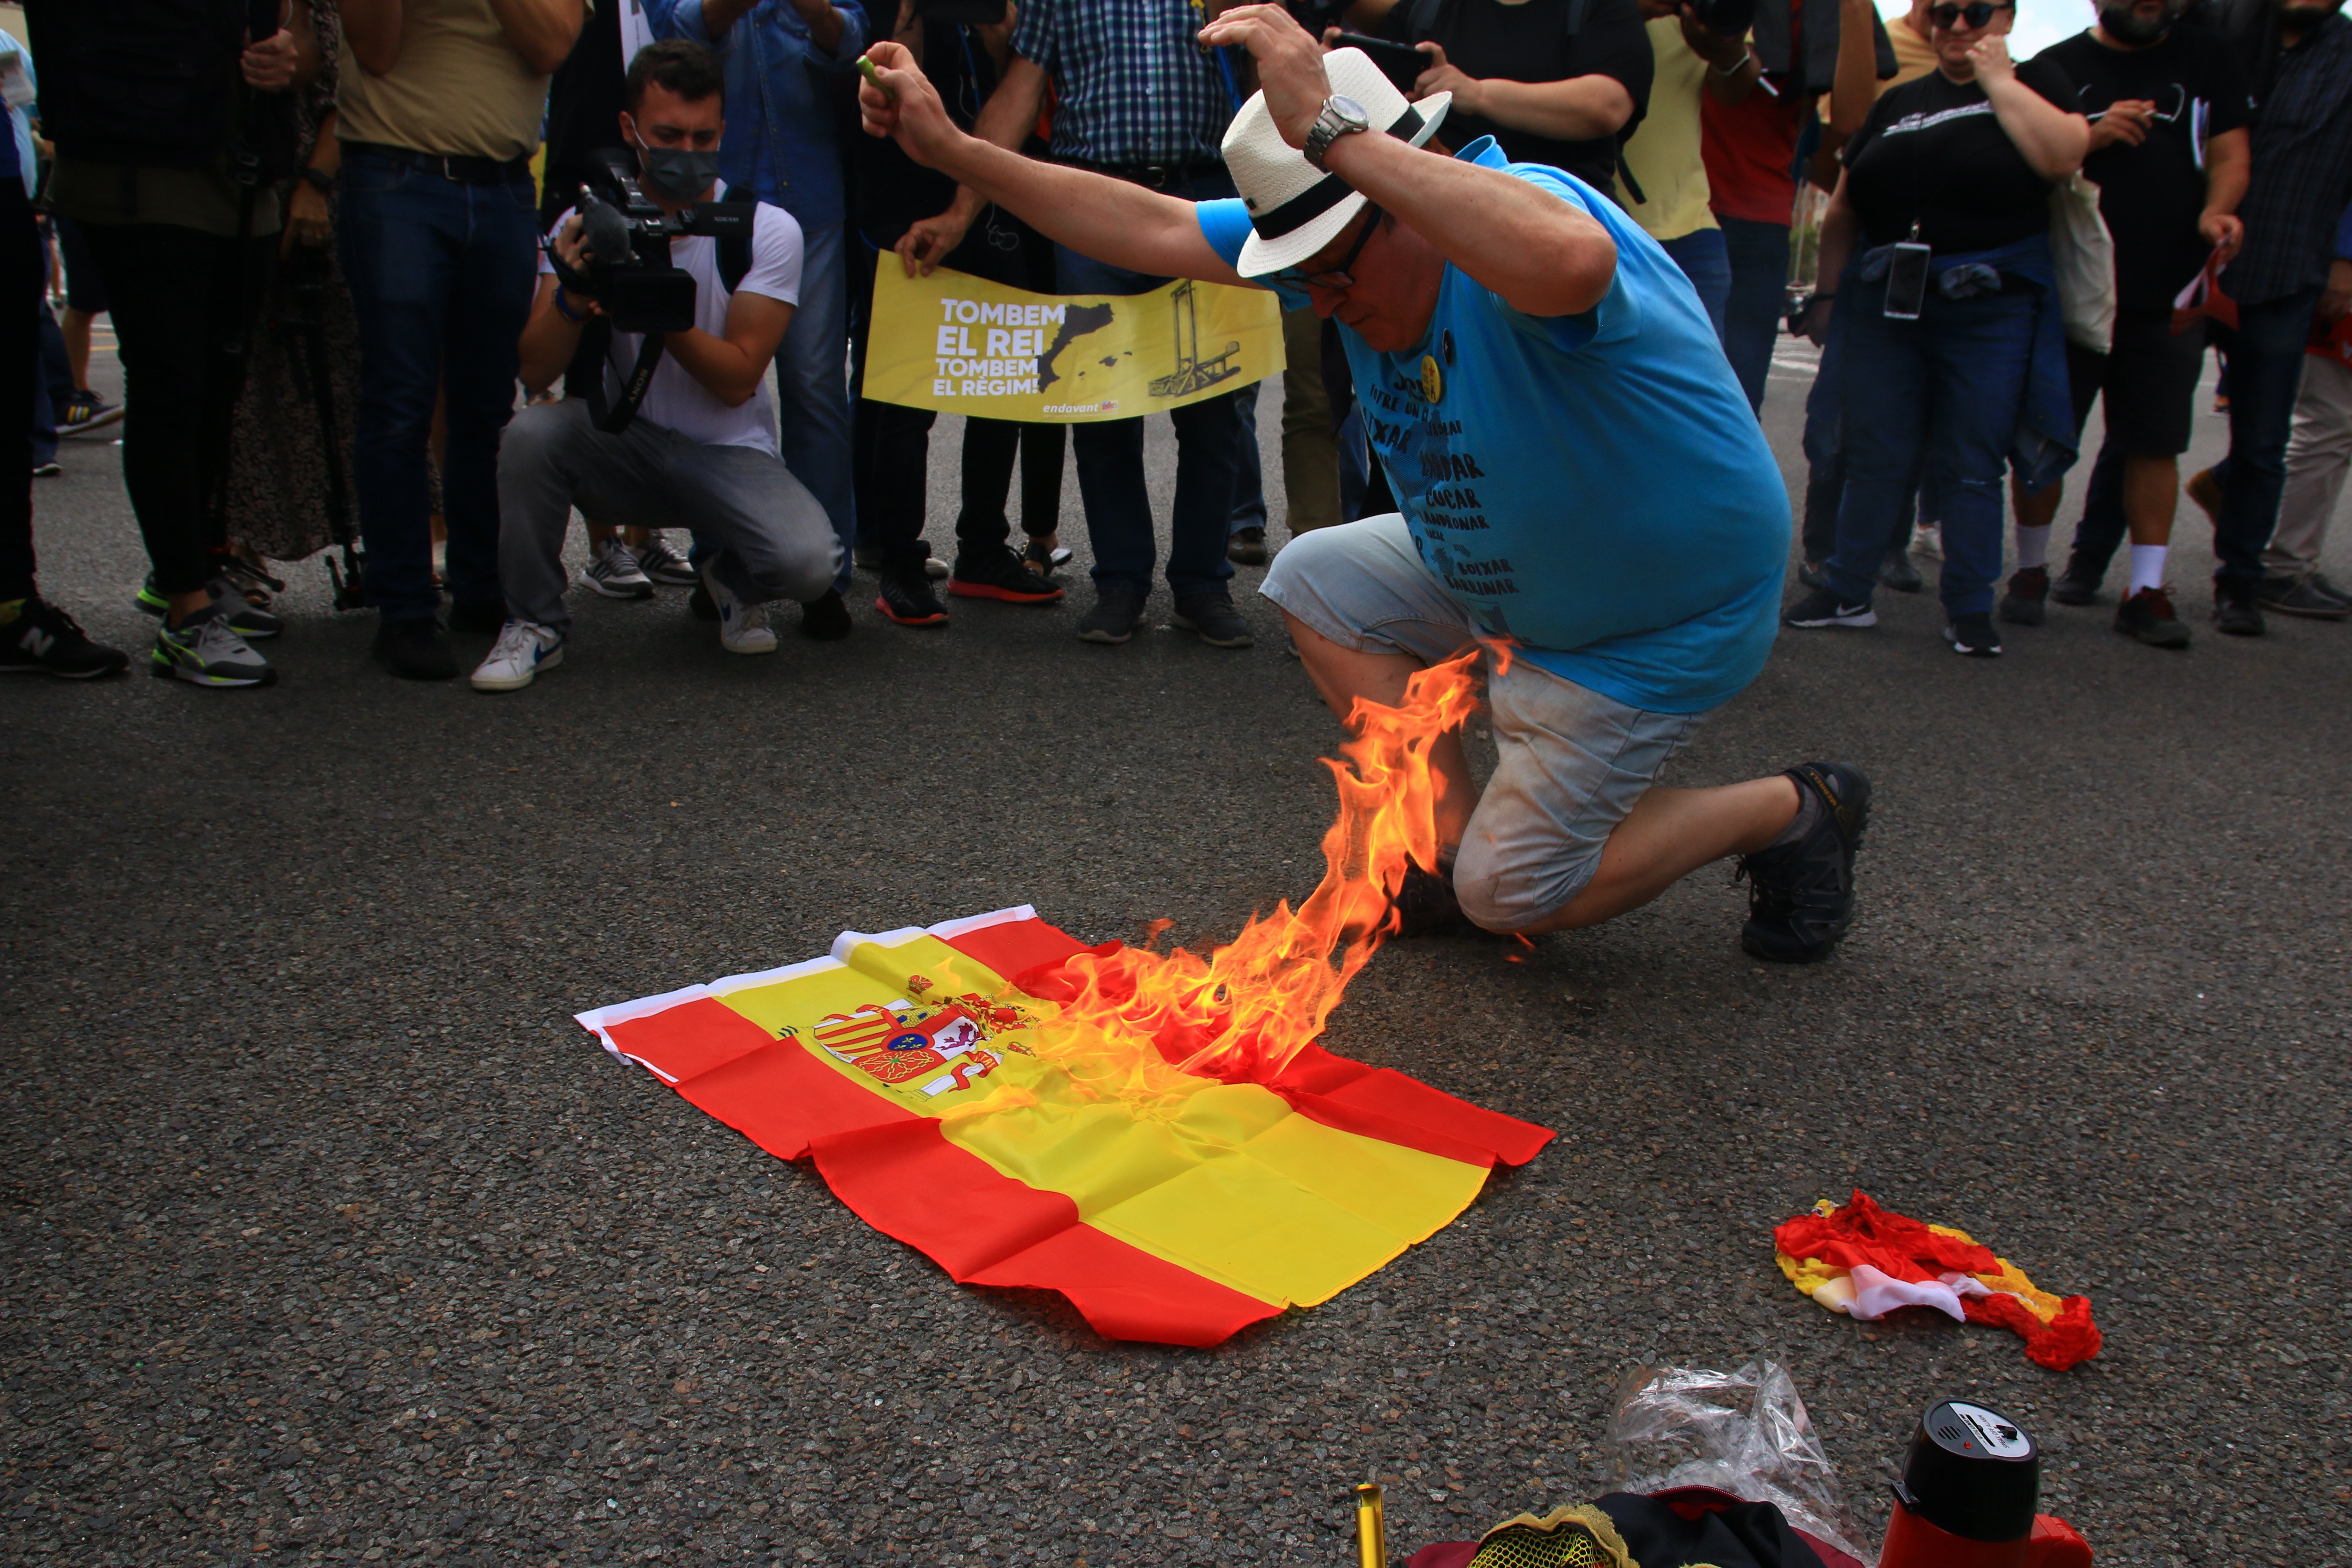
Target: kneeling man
[701, 451]
[1584, 488]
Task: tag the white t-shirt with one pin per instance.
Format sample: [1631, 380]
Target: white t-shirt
[675, 398]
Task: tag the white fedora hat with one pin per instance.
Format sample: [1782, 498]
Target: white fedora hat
[1295, 209]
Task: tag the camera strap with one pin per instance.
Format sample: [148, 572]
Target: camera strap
[617, 419]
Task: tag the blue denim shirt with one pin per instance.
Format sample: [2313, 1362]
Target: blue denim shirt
[779, 128]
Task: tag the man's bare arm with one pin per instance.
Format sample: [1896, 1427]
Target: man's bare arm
[541, 31]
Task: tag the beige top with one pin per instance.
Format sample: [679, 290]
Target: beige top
[458, 88]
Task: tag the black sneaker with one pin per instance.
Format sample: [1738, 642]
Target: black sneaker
[34, 635]
[1808, 576]
[490, 618]
[1117, 613]
[2309, 595]
[906, 598]
[1801, 895]
[1213, 619]
[1247, 547]
[414, 649]
[2078, 584]
[2027, 603]
[993, 572]
[87, 411]
[826, 619]
[2147, 616]
[1425, 903]
[2238, 606]
[1898, 573]
[1826, 607]
[700, 604]
[1973, 635]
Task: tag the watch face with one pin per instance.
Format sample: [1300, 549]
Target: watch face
[1348, 110]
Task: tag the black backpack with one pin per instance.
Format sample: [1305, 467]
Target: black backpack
[149, 83]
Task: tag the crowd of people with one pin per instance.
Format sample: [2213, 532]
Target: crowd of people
[357, 306]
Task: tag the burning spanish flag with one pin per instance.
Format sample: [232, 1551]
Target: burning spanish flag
[1154, 1135]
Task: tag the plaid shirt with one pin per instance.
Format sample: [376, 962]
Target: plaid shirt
[2303, 169]
[1134, 84]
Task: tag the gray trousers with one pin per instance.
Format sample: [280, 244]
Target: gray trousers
[775, 541]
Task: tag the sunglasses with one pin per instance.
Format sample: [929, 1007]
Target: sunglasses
[1337, 275]
[1975, 15]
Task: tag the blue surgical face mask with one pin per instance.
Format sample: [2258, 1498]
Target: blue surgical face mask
[679, 173]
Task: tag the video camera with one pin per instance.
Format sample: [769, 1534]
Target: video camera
[1724, 18]
[625, 266]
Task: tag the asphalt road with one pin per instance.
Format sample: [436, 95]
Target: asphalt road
[328, 1236]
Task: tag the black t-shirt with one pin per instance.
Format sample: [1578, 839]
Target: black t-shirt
[1531, 42]
[891, 190]
[1933, 151]
[2152, 194]
[585, 100]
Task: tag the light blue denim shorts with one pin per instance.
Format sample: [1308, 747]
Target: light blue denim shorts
[1569, 762]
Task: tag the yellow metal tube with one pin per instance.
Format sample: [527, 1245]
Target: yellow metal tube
[1372, 1528]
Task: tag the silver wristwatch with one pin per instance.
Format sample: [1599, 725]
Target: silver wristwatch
[1340, 116]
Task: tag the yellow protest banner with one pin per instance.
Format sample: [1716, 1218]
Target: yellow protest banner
[960, 344]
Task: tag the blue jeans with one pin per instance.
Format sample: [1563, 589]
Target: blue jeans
[1704, 261]
[1249, 469]
[442, 274]
[52, 384]
[1110, 459]
[1947, 388]
[2266, 375]
[813, 389]
[1758, 302]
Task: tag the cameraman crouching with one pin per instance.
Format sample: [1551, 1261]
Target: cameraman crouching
[701, 451]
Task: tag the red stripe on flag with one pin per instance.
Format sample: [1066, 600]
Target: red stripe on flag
[686, 1041]
[1379, 1103]
[905, 1179]
[782, 1098]
[1016, 945]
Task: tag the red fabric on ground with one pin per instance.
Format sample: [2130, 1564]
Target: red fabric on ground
[2065, 1340]
[690, 1039]
[1895, 1245]
[1017, 946]
[782, 1098]
[906, 1180]
[1392, 1100]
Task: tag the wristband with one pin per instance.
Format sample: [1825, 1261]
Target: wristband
[318, 180]
[566, 311]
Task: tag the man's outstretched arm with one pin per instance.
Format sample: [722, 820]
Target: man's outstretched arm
[1094, 215]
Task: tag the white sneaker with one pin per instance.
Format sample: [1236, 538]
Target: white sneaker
[613, 572]
[743, 628]
[1928, 540]
[662, 564]
[522, 650]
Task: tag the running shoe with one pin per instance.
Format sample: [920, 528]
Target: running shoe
[1117, 613]
[522, 650]
[2147, 616]
[243, 619]
[1900, 572]
[1247, 547]
[2079, 583]
[2238, 606]
[826, 619]
[1928, 540]
[1827, 607]
[743, 628]
[48, 470]
[205, 651]
[1213, 619]
[906, 598]
[36, 636]
[1800, 893]
[993, 572]
[666, 566]
[613, 571]
[1973, 635]
[87, 411]
[2027, 603]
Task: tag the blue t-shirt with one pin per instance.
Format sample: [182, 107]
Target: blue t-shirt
[1593, 487]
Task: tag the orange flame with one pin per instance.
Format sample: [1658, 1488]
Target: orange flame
[1135, 1025]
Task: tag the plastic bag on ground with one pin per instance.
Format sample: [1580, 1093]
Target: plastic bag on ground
[1743, 1432]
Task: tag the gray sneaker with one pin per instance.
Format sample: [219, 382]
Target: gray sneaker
[2310, 595]
[204, 650]
[666, 566]
[1211, 617]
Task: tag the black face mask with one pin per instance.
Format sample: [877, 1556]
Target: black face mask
[679, 174]
[2123, 23]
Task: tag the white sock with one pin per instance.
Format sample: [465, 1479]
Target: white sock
[2032, 547]
[2147, 566]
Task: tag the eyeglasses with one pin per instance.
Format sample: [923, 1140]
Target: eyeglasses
[1976, 14]
[1339, 277]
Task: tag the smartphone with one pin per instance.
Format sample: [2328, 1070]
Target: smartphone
[1400, 63]
[1906, 281]
[979, 13]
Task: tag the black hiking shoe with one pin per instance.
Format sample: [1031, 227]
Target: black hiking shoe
[1117, 613]
[1801, 894]
[826, 618]
[1213, 619]
[2238, 606]
[2027, 603]
[2078, 584]
[1247, 547]
[414, 650]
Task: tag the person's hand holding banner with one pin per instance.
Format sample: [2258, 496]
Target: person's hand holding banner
[928, 241]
